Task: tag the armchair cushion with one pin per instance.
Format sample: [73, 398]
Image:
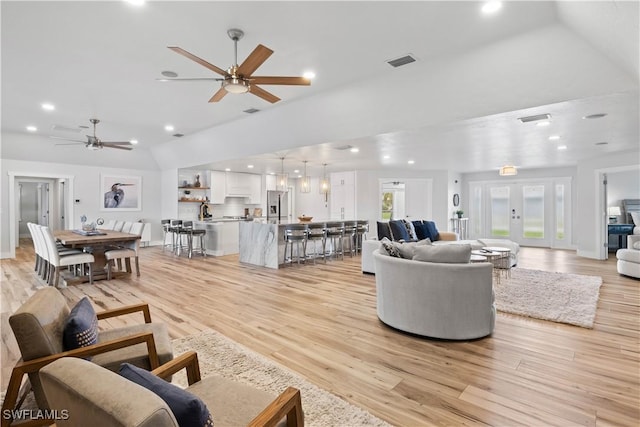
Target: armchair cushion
[81, 327]
[188, 409]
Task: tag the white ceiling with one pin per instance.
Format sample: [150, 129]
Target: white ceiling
[456, 106]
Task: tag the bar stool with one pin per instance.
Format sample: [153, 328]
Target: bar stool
[295, 233]
[166, 225]
[361, 231]
[190, 232]
[335, 234]
[174, 229]
[317, 233]
[350, 228]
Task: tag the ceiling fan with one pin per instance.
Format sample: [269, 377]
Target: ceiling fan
[95, 143]
[239, 78]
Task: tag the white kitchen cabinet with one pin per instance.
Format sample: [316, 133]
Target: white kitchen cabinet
[218, 187]
[238, 184]
[271, 182]
[343, 196]
[255, 197]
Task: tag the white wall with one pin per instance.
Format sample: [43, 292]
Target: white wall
[312, 203]
[87, 190]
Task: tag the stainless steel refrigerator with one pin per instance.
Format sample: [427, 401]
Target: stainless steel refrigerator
[277, 205]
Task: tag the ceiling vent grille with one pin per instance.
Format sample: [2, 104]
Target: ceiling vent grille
[534, 118]
[399, 62]
[178, 135]
[61, 128]
[344, 147]
[251, 110]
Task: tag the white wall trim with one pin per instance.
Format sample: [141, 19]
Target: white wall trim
[13, 175]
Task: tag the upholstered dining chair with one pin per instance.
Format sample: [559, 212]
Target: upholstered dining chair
[125, 251]
[39, 326]
[100, 398]
[61, 257]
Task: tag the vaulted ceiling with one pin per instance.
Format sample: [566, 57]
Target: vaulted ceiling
[455, 108]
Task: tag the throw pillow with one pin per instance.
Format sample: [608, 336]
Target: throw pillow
[422, 231]
[433, 231]
[407, 249]
[411, 230]
[390, 248]
[449, 254]
[384, 231]
[399, 230]
[81, 326]
[188, 409]
[635, 217]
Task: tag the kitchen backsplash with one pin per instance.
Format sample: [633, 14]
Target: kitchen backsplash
[233, 206]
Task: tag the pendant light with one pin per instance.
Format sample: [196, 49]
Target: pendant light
[325, 187]
[508, 170]
[305, 182]
[282, 179]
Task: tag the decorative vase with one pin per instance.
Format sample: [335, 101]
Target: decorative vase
[197, 183]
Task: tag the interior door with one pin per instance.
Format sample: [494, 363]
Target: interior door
[43, 204]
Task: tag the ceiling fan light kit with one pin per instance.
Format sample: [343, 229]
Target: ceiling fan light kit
[239, 78]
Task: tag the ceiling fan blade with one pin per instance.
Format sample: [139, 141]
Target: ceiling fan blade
[115, 146]
[267, 96]
[73, 143]
[198, 60]
[254, 60]
[67, 139]
[116, 142]
[218, 95]
[194, 79]
[273, 80]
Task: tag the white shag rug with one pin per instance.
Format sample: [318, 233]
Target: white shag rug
[219, 355]
[560, 297]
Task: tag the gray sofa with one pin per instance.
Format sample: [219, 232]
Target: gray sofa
[438, 300]
[369, 246]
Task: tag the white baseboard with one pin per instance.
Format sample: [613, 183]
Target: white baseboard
[588, 254]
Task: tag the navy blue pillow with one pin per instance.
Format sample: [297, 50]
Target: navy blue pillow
[422, 230]
[81, 327]
[188, 409]
[399, 230]
[384, 231]
[433, 231]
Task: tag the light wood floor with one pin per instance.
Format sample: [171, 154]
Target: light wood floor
[320, 321]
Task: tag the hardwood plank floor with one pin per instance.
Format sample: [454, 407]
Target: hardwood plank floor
[320, 321]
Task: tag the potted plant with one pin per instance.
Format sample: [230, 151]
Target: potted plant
[459, 213]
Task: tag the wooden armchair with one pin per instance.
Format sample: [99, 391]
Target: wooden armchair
[38, 326]
[90, 397]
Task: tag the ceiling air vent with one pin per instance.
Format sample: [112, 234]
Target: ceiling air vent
[178, 135]
[534, 118]
[251, 111]
[399, 62]
[344, 147]
[62, 128]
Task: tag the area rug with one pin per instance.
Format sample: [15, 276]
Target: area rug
[219, 355]
[560, 297]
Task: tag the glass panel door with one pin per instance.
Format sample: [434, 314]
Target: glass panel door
[499, 216]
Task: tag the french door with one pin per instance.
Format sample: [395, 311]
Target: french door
[531, 213]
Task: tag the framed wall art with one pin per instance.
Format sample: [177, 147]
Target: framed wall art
[120, 193]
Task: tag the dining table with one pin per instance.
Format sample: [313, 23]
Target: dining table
[96, 242]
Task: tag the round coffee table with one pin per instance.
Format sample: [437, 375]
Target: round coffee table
[503, 261]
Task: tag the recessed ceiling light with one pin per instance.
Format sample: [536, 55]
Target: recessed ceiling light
[296, 171]
[491, 7]
[272, 173]
[309, 75]
[32, 128]
[169, 128]
[544, 123]
[595, 116]
[48, 107]
[250, 166]
[562, 147]
[386, 157]
[354, 150]
[299, 176]
[227, 169]
[171, 74]
[135, 2]
[554, 137]
[411, 162]
[133, 141]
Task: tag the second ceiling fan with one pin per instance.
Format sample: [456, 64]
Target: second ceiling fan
[239, 78]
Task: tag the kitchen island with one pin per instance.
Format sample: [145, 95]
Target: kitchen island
[222, 235]
[262, 244]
